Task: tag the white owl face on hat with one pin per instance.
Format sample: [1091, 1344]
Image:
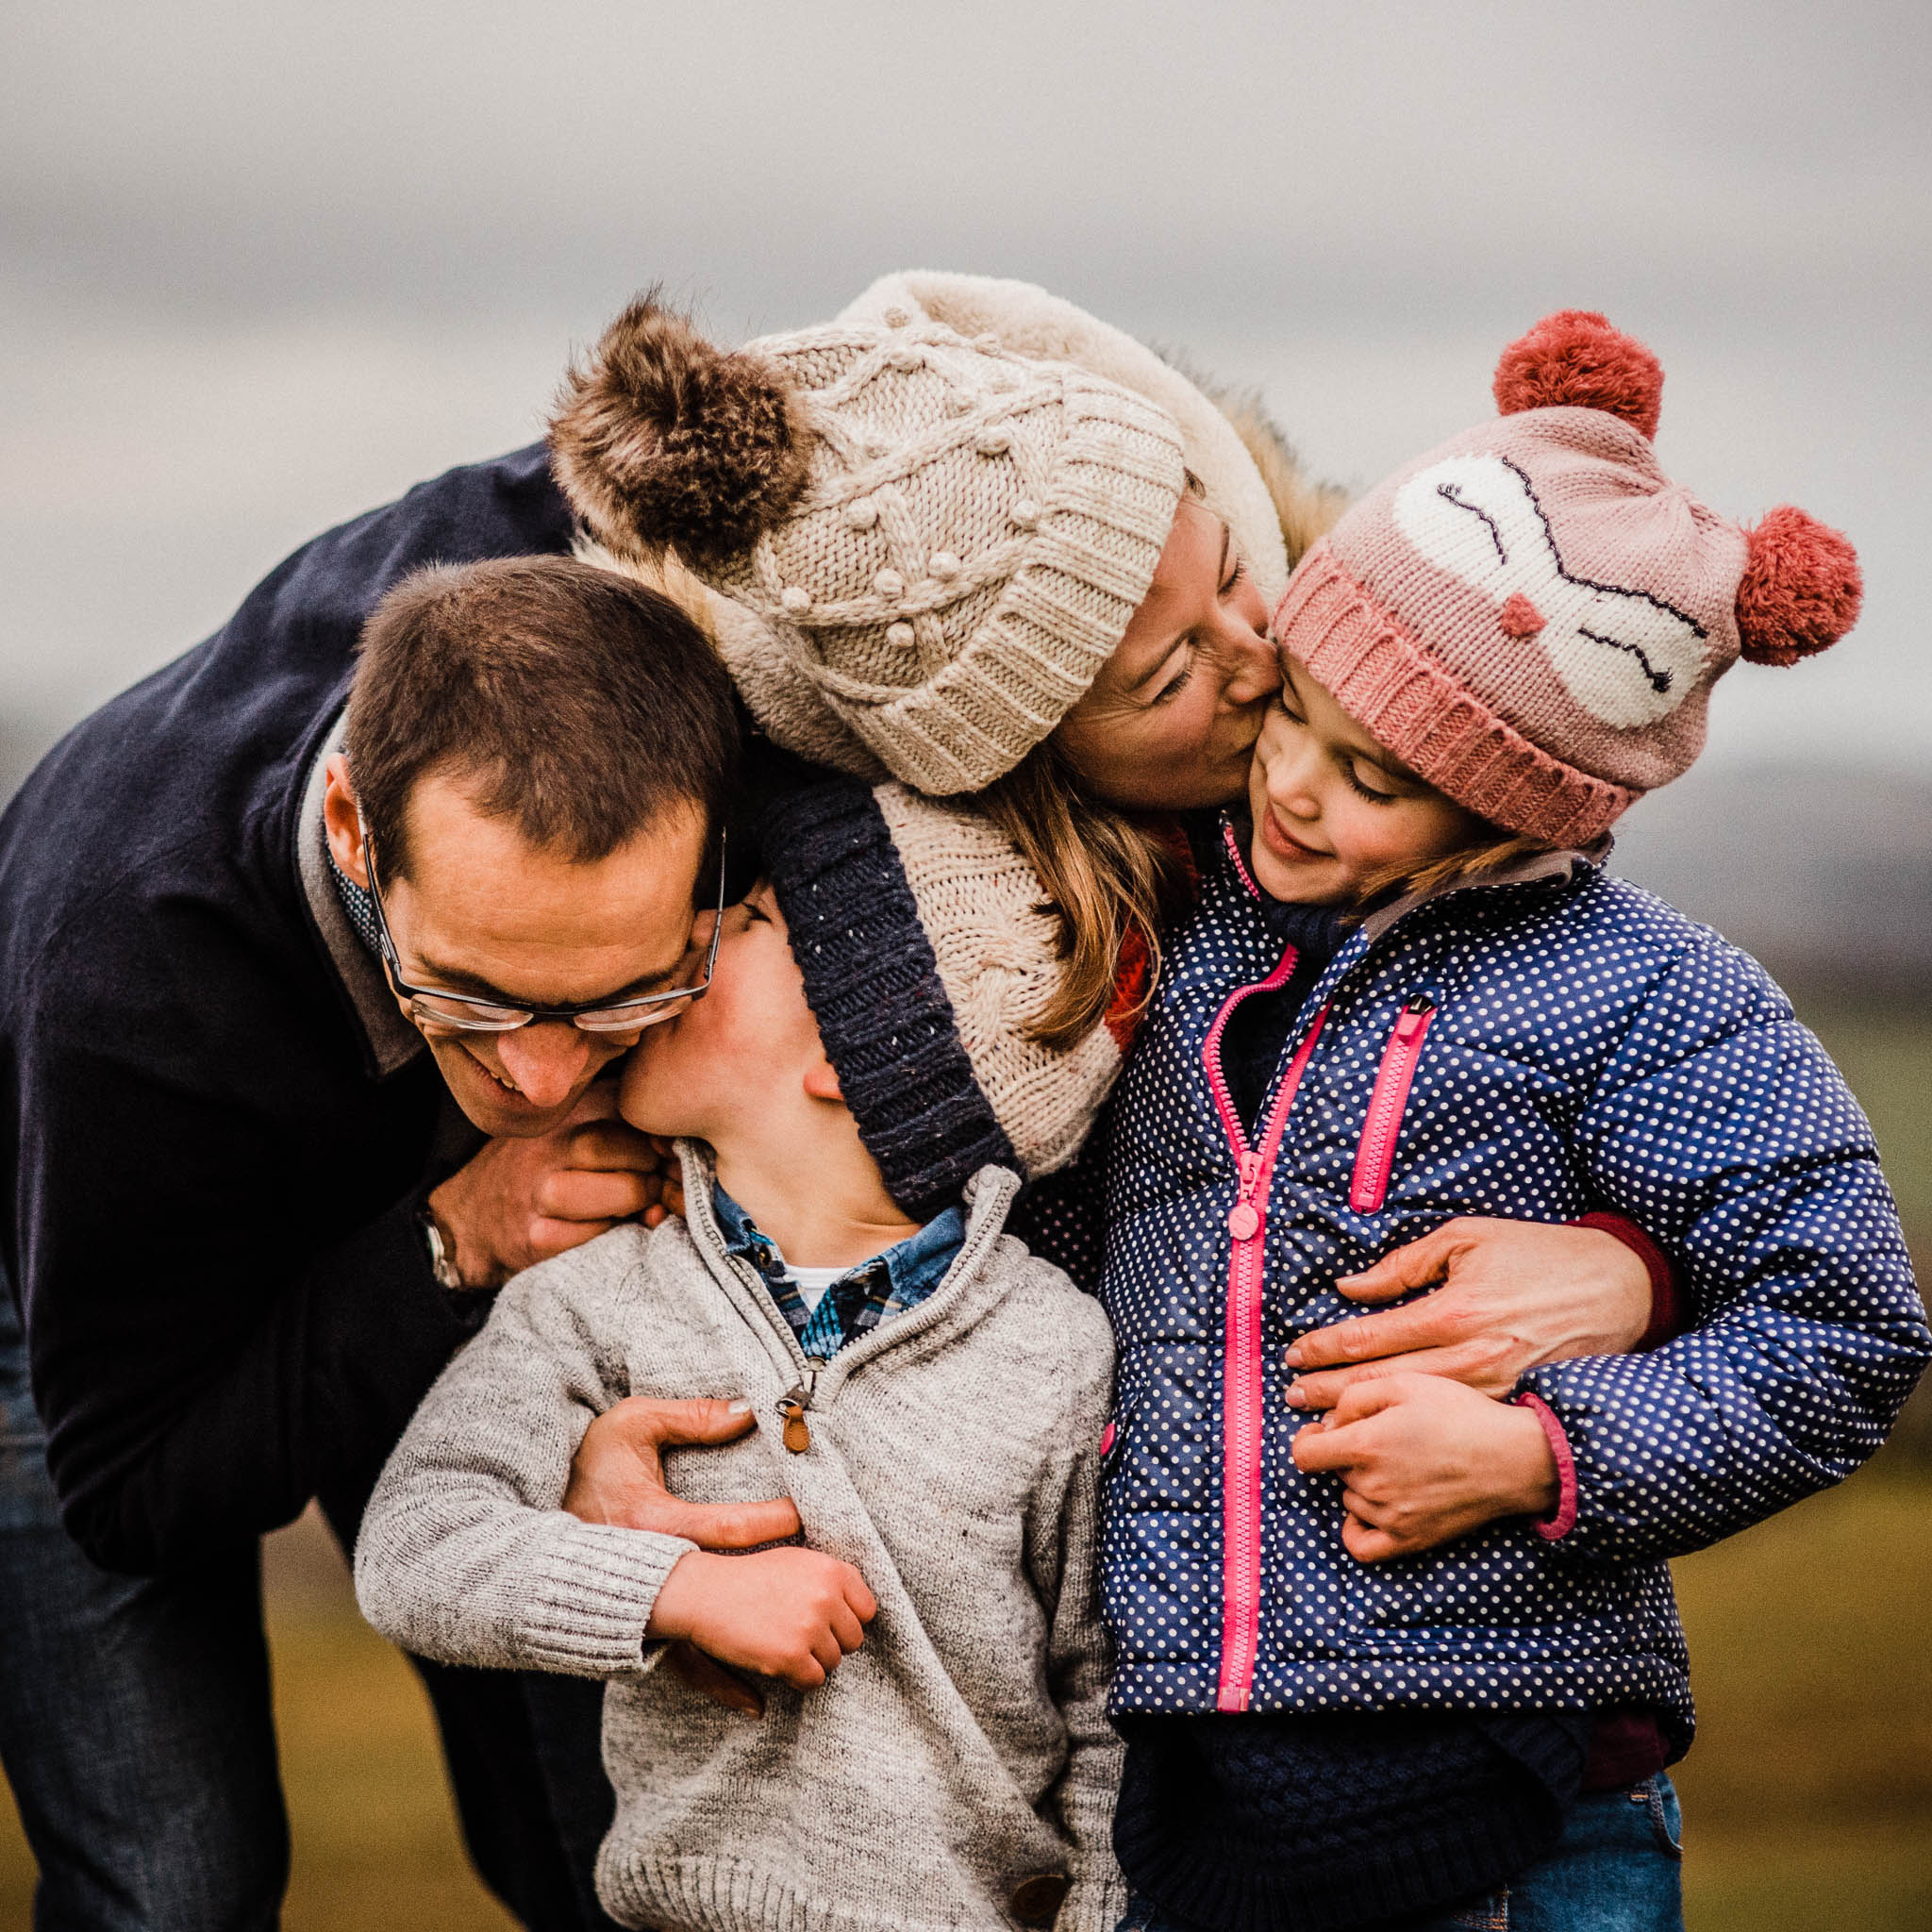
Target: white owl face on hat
[1627, 658]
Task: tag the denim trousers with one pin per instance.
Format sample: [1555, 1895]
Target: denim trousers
[1617, 1867]
[137, 1733]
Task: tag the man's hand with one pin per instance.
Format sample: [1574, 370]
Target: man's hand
[1424, 1460]
[1513, 1294]
[670, 1200]
[519, 1202]
[792, 1613]
[617, 1474]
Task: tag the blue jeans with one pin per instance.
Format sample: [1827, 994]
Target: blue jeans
[137, 1734]
[1617, 1867]
[134, 1717]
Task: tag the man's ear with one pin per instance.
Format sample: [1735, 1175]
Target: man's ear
[822, 1081]
[343, 821]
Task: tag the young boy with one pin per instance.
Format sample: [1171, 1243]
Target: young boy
[858, 1098]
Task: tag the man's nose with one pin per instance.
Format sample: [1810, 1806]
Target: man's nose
[546, 1059]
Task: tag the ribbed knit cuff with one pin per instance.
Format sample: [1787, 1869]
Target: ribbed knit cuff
[1094, 1904]
[590, 1594]
[1665, 1301]
[1382, 676]
[1561, 1520]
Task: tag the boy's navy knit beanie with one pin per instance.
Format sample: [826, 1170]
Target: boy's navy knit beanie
[926, 948]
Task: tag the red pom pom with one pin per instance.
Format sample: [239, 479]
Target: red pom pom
[1575, 360]
[1801, 588]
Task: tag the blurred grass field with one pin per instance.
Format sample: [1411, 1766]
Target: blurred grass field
[1807, 1799]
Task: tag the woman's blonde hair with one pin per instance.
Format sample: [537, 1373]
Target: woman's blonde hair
[1114, 879]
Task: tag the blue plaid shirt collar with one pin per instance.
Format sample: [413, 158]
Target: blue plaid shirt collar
[890, 1283]
[359, 907]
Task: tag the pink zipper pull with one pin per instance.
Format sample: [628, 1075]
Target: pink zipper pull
[1243, 1221]
[1414, 1017]
[1375, 1157]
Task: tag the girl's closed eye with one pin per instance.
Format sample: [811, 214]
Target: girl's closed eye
[1353, 772]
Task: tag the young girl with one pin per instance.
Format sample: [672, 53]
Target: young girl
[1410, 991]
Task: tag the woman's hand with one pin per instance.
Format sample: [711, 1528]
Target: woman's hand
[1513, 1294]
[1424, 1460]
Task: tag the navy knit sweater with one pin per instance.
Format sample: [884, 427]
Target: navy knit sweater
[209, 1197]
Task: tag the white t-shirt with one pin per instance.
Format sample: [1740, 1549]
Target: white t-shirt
[812, 1283]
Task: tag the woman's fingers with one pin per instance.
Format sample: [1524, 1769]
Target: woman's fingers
[1484, 1363]
[1437, 1321]
[1415, 1264]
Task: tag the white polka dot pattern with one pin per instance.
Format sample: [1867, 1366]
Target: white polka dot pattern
[1590, 1047]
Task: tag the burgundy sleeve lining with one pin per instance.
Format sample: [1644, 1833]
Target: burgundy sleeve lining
[1665, 1298]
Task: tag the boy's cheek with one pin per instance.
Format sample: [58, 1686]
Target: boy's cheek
[652, 1097]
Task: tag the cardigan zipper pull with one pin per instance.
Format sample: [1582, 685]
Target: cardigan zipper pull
[793, 1406]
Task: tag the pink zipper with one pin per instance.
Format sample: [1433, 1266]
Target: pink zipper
[1241, 864]
[1241, 1405]
[1375, 1157]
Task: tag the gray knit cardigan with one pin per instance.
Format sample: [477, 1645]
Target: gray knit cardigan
[954, 1452]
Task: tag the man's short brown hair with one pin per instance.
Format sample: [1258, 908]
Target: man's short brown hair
[582, 706]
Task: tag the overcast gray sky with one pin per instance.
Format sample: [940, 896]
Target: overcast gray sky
[262, 266]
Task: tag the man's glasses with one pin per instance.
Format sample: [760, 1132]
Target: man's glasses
[432, 1008]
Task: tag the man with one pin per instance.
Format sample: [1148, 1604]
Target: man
[261, 1189]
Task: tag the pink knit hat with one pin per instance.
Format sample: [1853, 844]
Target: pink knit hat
[1532, 615]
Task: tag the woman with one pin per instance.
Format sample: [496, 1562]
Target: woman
[969, 536]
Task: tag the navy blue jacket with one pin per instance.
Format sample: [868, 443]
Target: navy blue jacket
[208, 1198]
[1533, 1050]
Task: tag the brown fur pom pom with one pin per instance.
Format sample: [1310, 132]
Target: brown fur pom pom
[660, 438]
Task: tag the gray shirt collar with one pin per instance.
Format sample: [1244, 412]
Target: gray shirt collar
[392, 1040]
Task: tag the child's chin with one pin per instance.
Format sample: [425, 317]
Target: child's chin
[650, 1105]
[1292, 884]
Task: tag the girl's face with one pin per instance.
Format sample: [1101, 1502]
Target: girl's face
[1333, 809]
[1170, 720]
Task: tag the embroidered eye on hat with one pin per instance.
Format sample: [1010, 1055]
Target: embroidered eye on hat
[1533, 614]
[927, 951]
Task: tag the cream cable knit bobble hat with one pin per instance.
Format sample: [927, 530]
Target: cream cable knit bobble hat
[922, 546]
[1030, 321]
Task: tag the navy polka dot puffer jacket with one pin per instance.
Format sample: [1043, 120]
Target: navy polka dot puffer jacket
[1534, 1049]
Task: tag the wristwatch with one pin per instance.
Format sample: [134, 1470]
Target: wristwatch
[441, 1262]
